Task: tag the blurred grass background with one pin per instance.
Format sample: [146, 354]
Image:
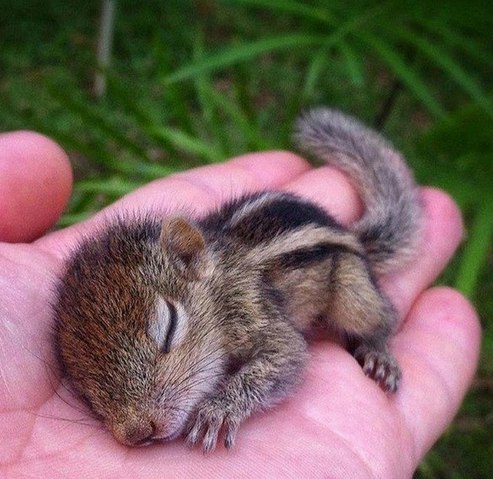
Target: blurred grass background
[195, 82]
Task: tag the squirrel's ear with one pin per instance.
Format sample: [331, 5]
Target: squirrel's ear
[184, 240]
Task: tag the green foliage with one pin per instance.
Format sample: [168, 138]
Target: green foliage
[195, 82]
[462, 149]
[457, 154]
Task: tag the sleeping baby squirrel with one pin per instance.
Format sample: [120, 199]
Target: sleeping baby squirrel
[171, 326]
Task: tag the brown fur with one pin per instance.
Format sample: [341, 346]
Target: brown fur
[189, 326]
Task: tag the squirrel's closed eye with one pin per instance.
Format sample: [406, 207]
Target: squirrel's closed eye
[168, 325]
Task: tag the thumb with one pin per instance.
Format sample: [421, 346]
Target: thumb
[35, 184]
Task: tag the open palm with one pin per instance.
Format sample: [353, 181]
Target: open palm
[338, 424]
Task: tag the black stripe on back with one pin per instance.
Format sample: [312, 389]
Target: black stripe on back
[282, 214]
[307, 256]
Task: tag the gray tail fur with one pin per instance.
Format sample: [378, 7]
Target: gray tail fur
[390, 227]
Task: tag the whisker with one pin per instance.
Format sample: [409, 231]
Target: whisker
[81, 421]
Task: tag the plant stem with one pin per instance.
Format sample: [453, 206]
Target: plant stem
[477, 248]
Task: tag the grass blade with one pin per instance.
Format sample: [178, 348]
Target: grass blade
[202, 84]
[477, 248]
[96, 120]
[353, 64]
[315, 68]
[113, 186]
[240, 120]
[127, 98]
[188, 143]
[455, 39]
[408, 77]
[128, 166]
[243, 52]
[441, 58]
[301, 10]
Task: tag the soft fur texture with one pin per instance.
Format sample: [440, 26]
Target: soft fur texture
[173, 325]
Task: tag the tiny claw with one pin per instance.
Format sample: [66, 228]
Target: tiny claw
[191, 440]
[229, 438]
[194, 435]
[210, 438]
[379, 366]
[380, 372]
[212, 418]
[209, 443]
[232, 425]
[393, 380]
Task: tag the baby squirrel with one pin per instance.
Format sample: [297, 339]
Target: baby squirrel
[171, 326]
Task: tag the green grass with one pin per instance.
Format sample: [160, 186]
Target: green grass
[198, 82]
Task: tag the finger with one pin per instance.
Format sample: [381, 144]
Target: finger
[35, 184]
[438, 349]
[442, 233]
[201, 189]
[194, 191]
[331, 189]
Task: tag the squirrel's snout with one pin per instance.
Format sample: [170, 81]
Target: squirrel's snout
[139, 433]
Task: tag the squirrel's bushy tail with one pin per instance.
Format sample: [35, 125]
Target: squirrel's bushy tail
[390, 227]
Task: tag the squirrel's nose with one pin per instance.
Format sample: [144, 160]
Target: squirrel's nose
[137, 434]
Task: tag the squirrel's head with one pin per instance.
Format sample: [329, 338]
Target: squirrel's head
[132, 330]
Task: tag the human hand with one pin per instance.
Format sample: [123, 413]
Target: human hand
[338, 424]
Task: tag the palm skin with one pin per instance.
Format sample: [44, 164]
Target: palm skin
[339, 424]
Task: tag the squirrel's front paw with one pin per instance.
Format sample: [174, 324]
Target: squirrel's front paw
[211, 417]
[381, 366]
